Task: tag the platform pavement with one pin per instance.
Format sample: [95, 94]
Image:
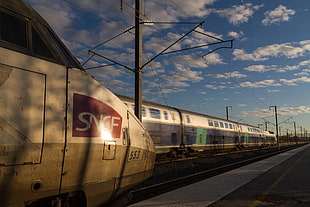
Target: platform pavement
[240, 187]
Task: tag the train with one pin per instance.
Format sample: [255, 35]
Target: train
[65, 139]
[178, 132]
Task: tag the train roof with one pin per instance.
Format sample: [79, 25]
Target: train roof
[24, 30]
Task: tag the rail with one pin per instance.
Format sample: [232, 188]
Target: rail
[157, 189]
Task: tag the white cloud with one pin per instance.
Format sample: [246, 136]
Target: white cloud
[259, 84]
[236, 35]
[153, 72]
[186, 74]
[213, 58]
[304, 72]
[239, 14]
[279, 14]
[235, 74]
[203, 38]
[162, 91]
[289, 50]
[188, 60]
[60, 22]
[295, 81]
[276, 68]
[274, 91]
[171, 11]
[181, 77]
[214, 87]
[260, 68]
[283, 111]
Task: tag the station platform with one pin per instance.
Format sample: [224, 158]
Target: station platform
[281, 180]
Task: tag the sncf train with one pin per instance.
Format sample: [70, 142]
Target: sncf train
[65, 140]
[176, 131]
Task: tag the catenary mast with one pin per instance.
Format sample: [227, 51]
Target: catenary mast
[138, 59]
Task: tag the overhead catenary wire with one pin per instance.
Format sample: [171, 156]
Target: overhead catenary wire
[123, 32]
[254, 97]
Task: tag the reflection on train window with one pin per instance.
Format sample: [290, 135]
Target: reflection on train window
[216, 124]
[143, 112]
[155, 113]
[210, 122]
[65, 52]
[39, 47]
[166, 115]
[13, 30]
[230, 126]
[188, 120]
[226, 125]
[221, 124]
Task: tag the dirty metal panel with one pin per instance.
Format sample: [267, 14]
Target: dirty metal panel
[22, 99]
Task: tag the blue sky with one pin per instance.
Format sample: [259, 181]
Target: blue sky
[269, 64]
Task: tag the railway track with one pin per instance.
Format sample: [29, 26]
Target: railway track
[163, 186]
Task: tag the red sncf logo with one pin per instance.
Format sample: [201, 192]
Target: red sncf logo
[93, 118]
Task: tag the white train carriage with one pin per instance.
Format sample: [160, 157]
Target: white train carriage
[65, 140]
[180, 131]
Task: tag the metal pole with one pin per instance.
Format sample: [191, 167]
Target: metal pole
[295, 135]
[277, 128]
[227, 107]
[138, 59]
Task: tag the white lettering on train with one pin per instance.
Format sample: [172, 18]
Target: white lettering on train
[104, 122]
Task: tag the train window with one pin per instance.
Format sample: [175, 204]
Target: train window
[39, 47]
[173, 138]
[155, 113]
[166, 115]
[143, 112]
[210, 122]
[188, 120]
[156, 139]
[221, 125]
[13, 30]
[230, 126]
[216, 124]
[226, 125]
[66, 54]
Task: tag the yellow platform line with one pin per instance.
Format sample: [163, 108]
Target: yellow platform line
[266, 192]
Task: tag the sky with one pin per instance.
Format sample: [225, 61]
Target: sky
[267, 67]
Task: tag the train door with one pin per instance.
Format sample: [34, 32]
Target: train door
[22, 101]
[201, 136]
[245, 138]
